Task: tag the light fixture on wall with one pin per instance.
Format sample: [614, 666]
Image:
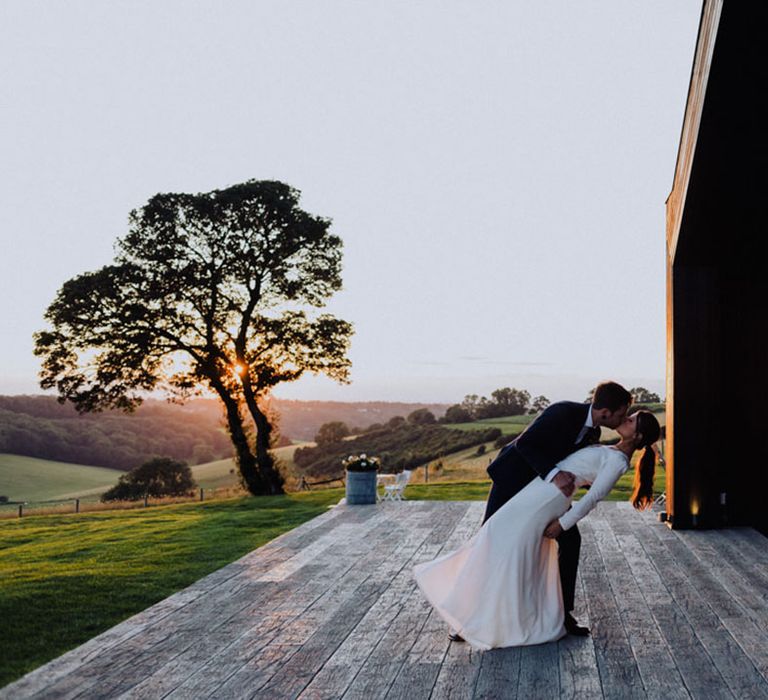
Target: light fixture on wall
[694, 512]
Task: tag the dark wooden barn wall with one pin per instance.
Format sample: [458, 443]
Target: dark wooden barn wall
[718, 287]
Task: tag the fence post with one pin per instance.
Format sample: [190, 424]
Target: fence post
[21, 507]
[426, 473]
[201, 493]
[146, 500]
[77, 505]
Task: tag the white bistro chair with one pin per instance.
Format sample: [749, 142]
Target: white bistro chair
[394, 491]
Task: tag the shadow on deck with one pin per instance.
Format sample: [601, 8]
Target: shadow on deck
[331, 609]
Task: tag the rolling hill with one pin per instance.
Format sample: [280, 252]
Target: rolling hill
[32, 479]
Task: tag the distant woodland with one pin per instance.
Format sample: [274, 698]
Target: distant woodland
[301, 420]
[38, 426]
[398, 445]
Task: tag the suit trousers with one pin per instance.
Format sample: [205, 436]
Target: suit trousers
[569, 544]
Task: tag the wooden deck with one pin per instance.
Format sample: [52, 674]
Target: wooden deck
[331, 610]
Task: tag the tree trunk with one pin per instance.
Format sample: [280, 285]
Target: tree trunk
[264, 457]
[247, 463]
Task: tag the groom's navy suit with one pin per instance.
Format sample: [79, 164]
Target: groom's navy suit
[533, 454]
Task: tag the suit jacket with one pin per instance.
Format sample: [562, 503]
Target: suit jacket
[545, 442]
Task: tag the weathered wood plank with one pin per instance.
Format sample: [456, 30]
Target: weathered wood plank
[345, 663]
[385, 659]
[639, 591]
[359, 628]
[319, 600]
[752, 639]
[458, 673]
[499, 674]
[422, 666]
[331, 610]
[418, 674]
[752, 553]
[539, 671]
[579, 676]
[618, 670]
[728, 657]
[734, 578]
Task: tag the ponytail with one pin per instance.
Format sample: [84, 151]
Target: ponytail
[642, 496]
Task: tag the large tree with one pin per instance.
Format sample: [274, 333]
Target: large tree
[207, 291]
[641, 395]
[332, 432]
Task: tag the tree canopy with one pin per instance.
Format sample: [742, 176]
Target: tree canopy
[539, 404]
[642, 395]
[157, 478]
[503, 402]
[421, 416]
[335, 431]
[206, 291]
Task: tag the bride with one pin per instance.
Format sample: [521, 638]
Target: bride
[502, 588]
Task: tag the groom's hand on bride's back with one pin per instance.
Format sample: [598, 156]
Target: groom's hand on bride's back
[566, 482]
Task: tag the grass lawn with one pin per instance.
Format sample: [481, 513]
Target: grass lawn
[31, 479]
[66, 578]
[478, 490]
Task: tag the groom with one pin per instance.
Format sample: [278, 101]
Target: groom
[560, 430]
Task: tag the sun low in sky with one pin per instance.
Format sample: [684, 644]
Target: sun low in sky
[497, 171]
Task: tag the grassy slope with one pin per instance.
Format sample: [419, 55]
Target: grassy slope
[478, 489]
[30, 479]
[219, 474]
[65, 579]
[515, 424]
[508, 425]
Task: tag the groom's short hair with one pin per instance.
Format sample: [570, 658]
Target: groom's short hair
[611, 395]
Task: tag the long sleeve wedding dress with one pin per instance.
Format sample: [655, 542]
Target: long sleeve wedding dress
[502, 588]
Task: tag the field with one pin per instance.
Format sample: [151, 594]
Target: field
[515, 424]
[223, 472]
[509, 425]
[30, 479]
[443, 488]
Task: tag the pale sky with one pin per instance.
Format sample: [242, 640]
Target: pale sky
[497, 170]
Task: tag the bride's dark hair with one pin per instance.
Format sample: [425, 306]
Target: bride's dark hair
[648, 427]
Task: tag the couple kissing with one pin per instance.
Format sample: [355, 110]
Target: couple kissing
[513, 583]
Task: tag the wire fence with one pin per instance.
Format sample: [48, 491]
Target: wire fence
[20, 509]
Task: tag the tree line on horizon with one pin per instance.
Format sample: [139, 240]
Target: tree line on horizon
[40, 426]
[112, 440]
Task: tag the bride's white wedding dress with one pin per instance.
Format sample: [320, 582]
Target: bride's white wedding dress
[502, 588]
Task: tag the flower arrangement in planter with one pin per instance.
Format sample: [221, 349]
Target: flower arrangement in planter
[362, 463]
[361, 479]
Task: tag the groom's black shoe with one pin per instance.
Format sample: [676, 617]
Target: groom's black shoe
[455, 637]
[573, 627]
